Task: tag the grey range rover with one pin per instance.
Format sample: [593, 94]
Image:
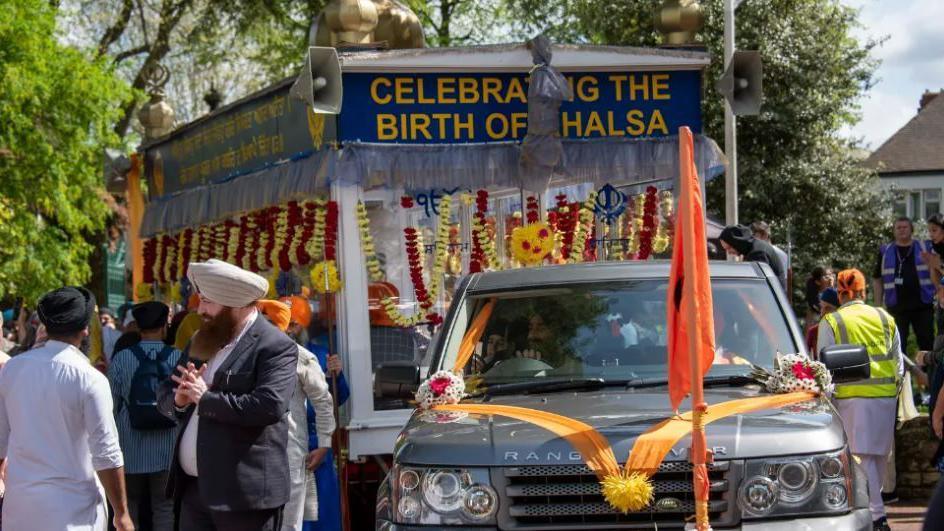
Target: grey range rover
[588, 342]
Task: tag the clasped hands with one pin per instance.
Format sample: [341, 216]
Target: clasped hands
[190, 384]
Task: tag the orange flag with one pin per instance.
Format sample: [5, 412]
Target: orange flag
[691, 332]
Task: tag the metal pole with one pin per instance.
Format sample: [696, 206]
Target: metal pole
[730, 124]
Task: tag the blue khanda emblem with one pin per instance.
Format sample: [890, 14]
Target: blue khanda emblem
[610, 203]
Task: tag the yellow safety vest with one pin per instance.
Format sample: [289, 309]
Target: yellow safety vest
[873, 328]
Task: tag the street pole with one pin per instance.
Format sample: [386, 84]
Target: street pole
[730, 124]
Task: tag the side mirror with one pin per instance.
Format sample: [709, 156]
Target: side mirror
[396, 379]
[847, 363]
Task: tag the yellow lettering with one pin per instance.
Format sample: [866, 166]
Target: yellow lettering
[468, 90]
[491, 86]
[657, 122]
[515, 91]
[618, 80]
[594, 125]
[567, 123]
[419, 123]
[375, 91]
[403, 87]
[441, 117]
[587, 89]
[611, 129]
[386, 127]
[420, 93]
[636, 125]
[635, 86]
[496, 134]
[468, 126]
[660, 87]
[519, 124]
[446, 89]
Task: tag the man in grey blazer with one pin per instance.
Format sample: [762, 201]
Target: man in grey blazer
[231, 392]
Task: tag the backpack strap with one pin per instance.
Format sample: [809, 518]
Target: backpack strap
[138, 352]
[165, 353]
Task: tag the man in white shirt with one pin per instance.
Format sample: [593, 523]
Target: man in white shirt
[57, 430]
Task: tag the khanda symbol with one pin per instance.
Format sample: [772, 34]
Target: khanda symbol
[610, 203]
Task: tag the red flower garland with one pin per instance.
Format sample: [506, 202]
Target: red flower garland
[149, 254]
[532, 207]
[406, 201]
[186, 251]
[308, 231]
[477, 259]
[648, 224]
[415, 261]
[240, 257]
[331, 232]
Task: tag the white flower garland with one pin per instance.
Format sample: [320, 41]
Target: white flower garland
[795, 373]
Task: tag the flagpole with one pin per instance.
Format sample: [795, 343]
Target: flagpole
[698, 453]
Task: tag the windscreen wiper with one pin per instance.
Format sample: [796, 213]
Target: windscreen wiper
[539, 385]
[733, 380]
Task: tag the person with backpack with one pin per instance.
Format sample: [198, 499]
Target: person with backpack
[146, 436]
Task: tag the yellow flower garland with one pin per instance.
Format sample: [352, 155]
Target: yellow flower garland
[281, 236]
[170, 258]
[584, 228]
[158, 257]
[315, 246]
[374, 271]
[232, 244]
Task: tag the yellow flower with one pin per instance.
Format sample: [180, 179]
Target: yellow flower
[531, 243]
[325, 277]
[628, 492]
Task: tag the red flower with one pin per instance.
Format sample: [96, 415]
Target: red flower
[439, 385]
[406, 202]
[802, 372]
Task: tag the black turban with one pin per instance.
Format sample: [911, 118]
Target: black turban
[150, 315]
[66, 310]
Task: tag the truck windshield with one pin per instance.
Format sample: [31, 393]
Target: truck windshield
[613, 331]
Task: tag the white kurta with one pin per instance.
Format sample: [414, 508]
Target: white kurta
[869, 422]
[313, 386]
[56, 430]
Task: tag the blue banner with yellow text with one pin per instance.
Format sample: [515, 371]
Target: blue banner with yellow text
[445, 108]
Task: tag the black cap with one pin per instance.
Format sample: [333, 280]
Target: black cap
[66, 310]
[739, 237]
[150, 315]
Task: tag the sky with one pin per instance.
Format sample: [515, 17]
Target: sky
[912, 61]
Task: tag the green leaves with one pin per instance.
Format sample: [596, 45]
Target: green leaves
[56, 111]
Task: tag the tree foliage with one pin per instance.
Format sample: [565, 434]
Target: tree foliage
[795, 172]
[57, 107]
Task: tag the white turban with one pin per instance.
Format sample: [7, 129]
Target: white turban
[227, 284]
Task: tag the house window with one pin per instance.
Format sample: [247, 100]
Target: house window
[932, 203]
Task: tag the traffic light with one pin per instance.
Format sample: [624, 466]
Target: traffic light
[319, 83]
[741, 84]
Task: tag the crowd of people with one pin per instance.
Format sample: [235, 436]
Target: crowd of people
[216, 416]
[219, 415]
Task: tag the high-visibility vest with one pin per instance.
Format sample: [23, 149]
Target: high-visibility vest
[861, 324]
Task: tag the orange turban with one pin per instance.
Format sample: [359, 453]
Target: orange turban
[850, 282]
[301, 310]
[277, 312]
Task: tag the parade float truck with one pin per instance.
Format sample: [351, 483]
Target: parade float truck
[587, 342]
[439, 166]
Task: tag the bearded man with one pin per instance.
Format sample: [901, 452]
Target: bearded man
[232, 390]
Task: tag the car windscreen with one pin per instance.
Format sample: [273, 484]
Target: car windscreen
[611, 330]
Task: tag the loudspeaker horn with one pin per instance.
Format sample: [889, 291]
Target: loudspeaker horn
[319, 84]
[741, 84]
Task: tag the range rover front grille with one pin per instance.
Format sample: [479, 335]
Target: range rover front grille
[568, 497]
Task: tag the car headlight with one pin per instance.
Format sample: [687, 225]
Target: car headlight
[443, 496]
[796, 485]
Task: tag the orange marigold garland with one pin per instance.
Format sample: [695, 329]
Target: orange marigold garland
[279, 238]
[315, 245]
